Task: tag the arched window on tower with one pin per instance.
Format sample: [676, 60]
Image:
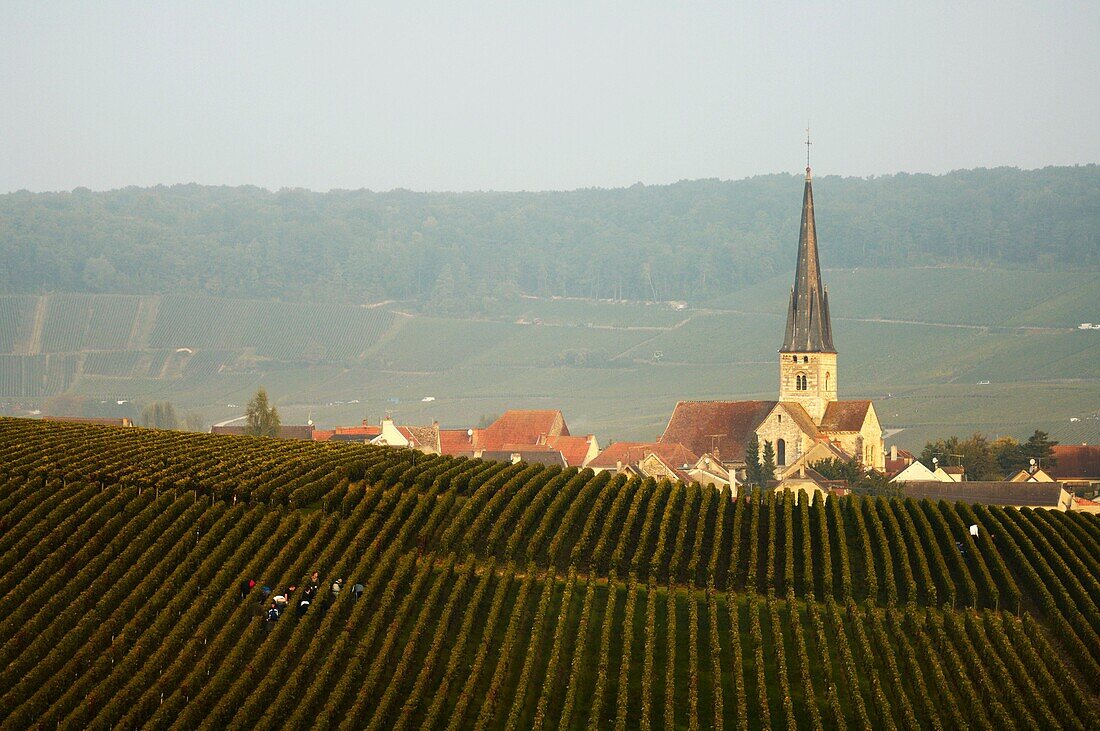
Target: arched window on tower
[781, 453]
[800, 382]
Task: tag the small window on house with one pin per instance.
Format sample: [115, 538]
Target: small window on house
[826, 380]
[805, 359]
[779, 418]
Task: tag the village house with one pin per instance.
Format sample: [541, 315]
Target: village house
[535, 436]
[662, 461]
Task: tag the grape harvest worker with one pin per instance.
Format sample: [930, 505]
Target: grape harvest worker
[272, 616]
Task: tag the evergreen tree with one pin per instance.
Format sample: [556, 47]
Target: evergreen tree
[263, 418]
[1040, 447]
[767, 464]
[752, 461]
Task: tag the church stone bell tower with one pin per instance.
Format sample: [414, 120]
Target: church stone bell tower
[807, 360]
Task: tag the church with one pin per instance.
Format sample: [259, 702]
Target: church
[808, 422]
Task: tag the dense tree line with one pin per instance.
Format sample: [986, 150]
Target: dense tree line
[991, 460]
[452, 251]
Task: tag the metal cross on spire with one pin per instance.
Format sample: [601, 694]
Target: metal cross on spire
[808, 143]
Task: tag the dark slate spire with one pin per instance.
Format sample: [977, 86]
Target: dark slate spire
[808, 327]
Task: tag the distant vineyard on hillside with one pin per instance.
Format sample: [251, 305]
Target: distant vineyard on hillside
[514, 596]
[48, 342]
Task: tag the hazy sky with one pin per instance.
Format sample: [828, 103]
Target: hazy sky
[525, 95]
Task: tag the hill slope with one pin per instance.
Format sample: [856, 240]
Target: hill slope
[918, 341]
[500, 596]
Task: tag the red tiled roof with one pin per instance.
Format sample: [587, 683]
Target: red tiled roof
[323, 435]
[1076, 460]
[454, 441]
[614, 454]
[1084, 501]
[519, 426]
[631, 453]
[574, 449]
[365, 430]
[845, 415]
[895, 466]
[725, 426]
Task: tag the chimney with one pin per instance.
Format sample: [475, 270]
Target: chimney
[893, 452]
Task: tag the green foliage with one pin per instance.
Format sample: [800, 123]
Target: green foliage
[859, 479]
[767, 464]
[1012, 456]
[262, 417]
[160, 415]
[754, 473]
[975, 455]
[686, 241]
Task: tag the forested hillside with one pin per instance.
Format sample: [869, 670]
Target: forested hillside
[450, 251]
[514, 596]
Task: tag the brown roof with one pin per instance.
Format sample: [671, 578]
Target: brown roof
[454, 441]
[286, 431]
[1076, 460]
[124, 421]
[845, 415]
[520, 426]
[954, 470]
[614, 454]
[725, 426]
[631, 453]
[573, 449]
[421, 436]
[801, 417]
[366, 430]
[990, 492]
[895, 466]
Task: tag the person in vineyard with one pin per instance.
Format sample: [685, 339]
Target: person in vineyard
[272, 617]
[310, 592]
[303, 607]
[356, 591]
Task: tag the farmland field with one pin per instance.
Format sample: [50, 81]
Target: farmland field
[514, 596]
[922, 342]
